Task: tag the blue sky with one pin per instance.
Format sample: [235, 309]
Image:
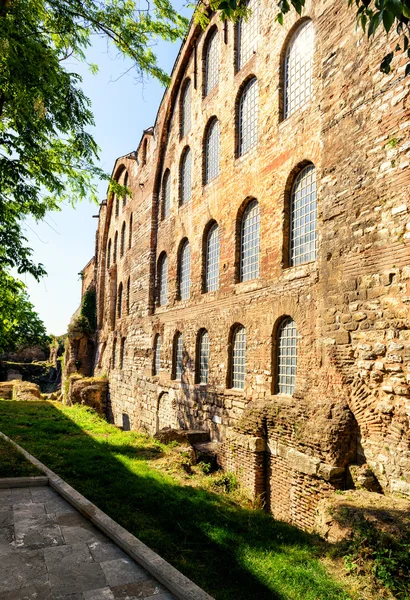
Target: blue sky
[64, 241]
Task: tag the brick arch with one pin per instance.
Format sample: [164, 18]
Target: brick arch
[205, 234]
[238, 228]
[214, 28]
[238, 98]
[178, 258]
[209, 123]
[186, 83]
[232, 331]
[182, 157]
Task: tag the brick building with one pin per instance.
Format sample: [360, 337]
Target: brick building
[257, 283]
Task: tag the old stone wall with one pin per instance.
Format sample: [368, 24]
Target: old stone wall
[351, 402]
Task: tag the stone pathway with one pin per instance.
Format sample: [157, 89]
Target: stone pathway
[49, 551]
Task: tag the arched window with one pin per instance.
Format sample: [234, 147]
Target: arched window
[157, 355]
[125, 184]
[186, 108]
[166, 194]
[186, 176]
[119, 301]
[248, 117]
[247, 35]
[109, 254]
[178, 366]
[212, 151]
[202, 357]
[130, 233]
[144, 152]
[114, 353]
[298, 69]
[211, 63]
[212, 259]
[163, 279]
[185, 271]
[303, 218]
[250, 242]
[122, 243]
[114, 256]
[117, 205]
[122, 353]
[128, 295]
[238, 358]
[287, 356]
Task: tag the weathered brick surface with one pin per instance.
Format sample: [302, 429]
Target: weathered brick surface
[351, 306]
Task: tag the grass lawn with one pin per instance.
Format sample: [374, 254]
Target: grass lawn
[13, 463]
[233, 552]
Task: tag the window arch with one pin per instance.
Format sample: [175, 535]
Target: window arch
[166, 194]
[287, 355]
[250, 242]
[144, 152]
[114, 353]
[125, 184]
[211, 282]
[212, 151]
[185, 108]
[128, 295]
[162, 279]
[119, 301]
[117, 205]
[109, 254]
[122, 243]
[178, 350]
[247, 35]
[202, 357]
[298, 66]
[122, 353]
[186, 176]
[248, 117]
[130, 233]
[185, 271]
[114, 256]
[211, 62]
[157, 355]
[303, 217]
[238, 358]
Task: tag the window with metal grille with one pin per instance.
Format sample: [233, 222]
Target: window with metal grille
[248, 117]
[212, 150]
[117, 205]
[157, 354]
[298, 69]
[178, 356]
[185, 271]
[238, 359]
[128, 295]
[122, 353]
[247, 32]
[186, 176]
[109, 254]
[211, 63]
[287, 357]
[212, 259]
[186, 109]
[303, 218]
[250, 242]
[122, 244]
[114, 257]
[119, 301]
[125, 184]
[203, 357]
[163, 280]
[114, 353]
[166, 195]
[130, 233]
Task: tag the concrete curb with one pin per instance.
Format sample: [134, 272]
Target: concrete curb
[179, 585]
[17, 482]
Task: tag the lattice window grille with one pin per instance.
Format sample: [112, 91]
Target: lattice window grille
[119, 301]
[298, 69]
[248, 35]
[303, 229]
[130, 233]
[203, 357]
[186, 177]
[248, 117]
[212, 149]
[109, 255]
[122, 353]
[114, 258]
[250, 242]
[166, 195]
[179, 348]
[123, 236]
[212, 260]
[287, 357]
[211, 63]
[163, 281]
[125, 184]
[114, 353]
[239, 358]
[185, 272]
[186, 110]
[157, 355]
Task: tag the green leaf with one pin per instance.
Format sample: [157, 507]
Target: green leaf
[388, 19]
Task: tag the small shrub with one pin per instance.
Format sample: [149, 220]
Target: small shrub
[226, 482]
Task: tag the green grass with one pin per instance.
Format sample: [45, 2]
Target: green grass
[13, 463]
[233, 552]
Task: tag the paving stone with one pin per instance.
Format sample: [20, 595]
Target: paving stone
[6, 518]
[38, 532]
[134, 591]
[6, 540]
[5, 497]
[33, 592]
[103, 551]
[122, 571]
[102, 594]
[71, 569]
[43, 494]
[76, 528]
[24, 511]
[58, 506]
[22, 569]
[20, 496]
[161, 596]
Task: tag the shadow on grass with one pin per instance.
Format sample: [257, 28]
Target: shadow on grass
[233, 553]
